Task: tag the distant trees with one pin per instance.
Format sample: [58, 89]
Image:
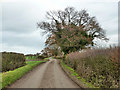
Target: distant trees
[71, 30]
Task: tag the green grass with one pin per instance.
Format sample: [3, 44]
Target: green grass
[31, 57]
[11, 76]
[73, 73]
[47, 58]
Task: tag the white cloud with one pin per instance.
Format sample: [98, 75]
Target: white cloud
[19, 21]
[21, 49]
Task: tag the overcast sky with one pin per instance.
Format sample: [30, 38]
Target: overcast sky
[19, 29]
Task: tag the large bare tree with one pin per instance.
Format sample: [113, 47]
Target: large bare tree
[73, 30]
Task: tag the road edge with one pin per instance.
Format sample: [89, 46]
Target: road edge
[24, 75]
[68, 74]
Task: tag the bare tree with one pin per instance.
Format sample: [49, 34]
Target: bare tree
[60, 21]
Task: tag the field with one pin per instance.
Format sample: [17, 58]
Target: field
[31, 57]
[34, 57]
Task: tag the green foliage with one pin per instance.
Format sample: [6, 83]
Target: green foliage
[46, 58]
[11, 61]
[72, 30]
[11, 76]
[31, 57]
[74, 73]
[71, 39]
[98, 66]
[59, 57]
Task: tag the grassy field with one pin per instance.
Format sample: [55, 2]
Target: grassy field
[31, 57]
[11, 76]
[72, 73]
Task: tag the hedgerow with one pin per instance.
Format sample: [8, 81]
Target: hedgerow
[11, 61]
[97, 66]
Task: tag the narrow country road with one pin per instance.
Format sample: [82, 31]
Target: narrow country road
[47, 75]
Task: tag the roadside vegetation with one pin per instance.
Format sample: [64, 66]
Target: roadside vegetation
[15, 65]
[11, 61]
[10, 77]
[75, 76]
[71, 31]
[98, 66]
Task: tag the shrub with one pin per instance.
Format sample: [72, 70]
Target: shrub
[41, 57]
[59, 57]
[11, 61]
[98, 66]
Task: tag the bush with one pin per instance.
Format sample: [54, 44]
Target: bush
[41, 57]
[98, 66]
[59, 57]
[11, 61]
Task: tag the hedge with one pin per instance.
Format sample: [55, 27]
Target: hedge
[11, 61]
[99, 66]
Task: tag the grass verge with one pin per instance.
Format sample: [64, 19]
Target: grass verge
[74, 76]
[11, 76]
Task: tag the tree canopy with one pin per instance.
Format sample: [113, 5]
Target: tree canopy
[72, 30]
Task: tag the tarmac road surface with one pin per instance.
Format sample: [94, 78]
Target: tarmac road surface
[46, 75]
